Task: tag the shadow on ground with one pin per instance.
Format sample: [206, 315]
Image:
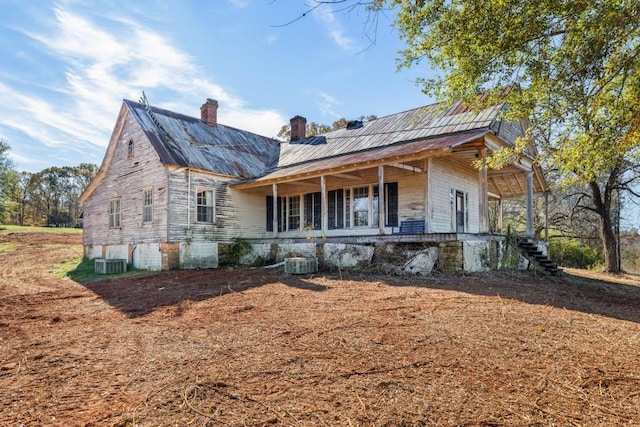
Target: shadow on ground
[604, 297]
[140, 294]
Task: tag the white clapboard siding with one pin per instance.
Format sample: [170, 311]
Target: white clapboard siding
[237, 214]
[447, 174]
[127, 178]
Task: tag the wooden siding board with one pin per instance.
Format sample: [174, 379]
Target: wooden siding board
[127, 178]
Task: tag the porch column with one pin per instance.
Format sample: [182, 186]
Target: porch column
[483, 187]
[427, 196]
[500, 212]
[381, 201]
[530, 203]
[275, 208]
[324, 216]
[546, 216]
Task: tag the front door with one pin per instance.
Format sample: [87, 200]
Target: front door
[460, 212]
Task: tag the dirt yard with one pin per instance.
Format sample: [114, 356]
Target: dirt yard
[253, 347]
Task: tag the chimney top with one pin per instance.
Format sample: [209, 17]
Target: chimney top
[209, 111]
[298, 128]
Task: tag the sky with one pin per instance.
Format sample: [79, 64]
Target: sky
[66, 66]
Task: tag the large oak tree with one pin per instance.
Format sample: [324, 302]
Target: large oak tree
[573, 67]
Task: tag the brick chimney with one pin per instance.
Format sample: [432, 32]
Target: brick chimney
[209, 111]
[298, 128]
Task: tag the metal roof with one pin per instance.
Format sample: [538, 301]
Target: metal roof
[419, 123]
[398, 150]
[188, 141]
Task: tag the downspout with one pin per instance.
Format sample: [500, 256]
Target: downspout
[188, 203]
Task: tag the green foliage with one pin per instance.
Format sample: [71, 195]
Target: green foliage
[48, 197]
[571, 253]
[237, 250]
[571, 67]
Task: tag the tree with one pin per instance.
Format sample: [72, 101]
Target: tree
[571, 66]
[314, 128]
[7, 178]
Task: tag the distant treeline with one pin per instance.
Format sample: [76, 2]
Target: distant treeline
[46, 198]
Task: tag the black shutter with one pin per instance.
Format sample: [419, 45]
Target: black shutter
[281, 218]
[269, 213]
[317, 211]
[308, 210]
[340, 208]
[392, 204]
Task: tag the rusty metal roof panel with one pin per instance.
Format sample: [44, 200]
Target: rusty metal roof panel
[187, 141]
[370, 155]
[419, 123]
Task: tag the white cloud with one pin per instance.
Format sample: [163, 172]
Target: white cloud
[105, 60]
[240, 3]
[326, 104]
[334, 28]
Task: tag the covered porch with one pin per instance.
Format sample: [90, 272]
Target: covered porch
[369, 195]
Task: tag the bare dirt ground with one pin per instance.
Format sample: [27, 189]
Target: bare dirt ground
[258, 347]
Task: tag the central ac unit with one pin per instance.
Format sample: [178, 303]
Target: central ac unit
[300, 265]
[110, 266]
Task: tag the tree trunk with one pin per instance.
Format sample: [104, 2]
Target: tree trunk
[609, 245]
[602, 203]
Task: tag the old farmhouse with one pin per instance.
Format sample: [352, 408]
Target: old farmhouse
[173, 190]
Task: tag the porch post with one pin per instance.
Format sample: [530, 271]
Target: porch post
[324, 217]
[500, 211]
[427, 196]
[546, 216]
[530, 203]
[381, 200]
[275, 208]
[483, 209]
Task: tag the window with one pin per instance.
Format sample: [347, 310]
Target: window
[391, 202]
[460, 211]
[204, 206]
[147, 206]
[361, 206]
[336, 209]
[130, 149]
[280, 214]
[312, 210]
[114, 213]
[293, 220]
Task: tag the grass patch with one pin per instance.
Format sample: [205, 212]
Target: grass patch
[7, 246]
[5, 229]
[83, 270]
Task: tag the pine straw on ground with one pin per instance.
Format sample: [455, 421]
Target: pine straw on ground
[235, 347]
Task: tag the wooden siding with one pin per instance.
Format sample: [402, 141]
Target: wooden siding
[448, 174]
[508, 131]
[237, 213]
[127, 178]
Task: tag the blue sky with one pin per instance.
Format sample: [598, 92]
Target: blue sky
[66, 66]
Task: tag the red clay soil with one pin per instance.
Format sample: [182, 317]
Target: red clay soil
[236, 347]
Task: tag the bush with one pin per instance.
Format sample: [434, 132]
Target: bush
[571, 253]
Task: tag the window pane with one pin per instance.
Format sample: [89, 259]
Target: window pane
[204, 206]
[147, 209]
[114, 213]
[294, 213]
[361, 206]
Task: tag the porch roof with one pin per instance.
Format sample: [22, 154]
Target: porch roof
[402, 151]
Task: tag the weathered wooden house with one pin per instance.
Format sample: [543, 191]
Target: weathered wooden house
[172, 188]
